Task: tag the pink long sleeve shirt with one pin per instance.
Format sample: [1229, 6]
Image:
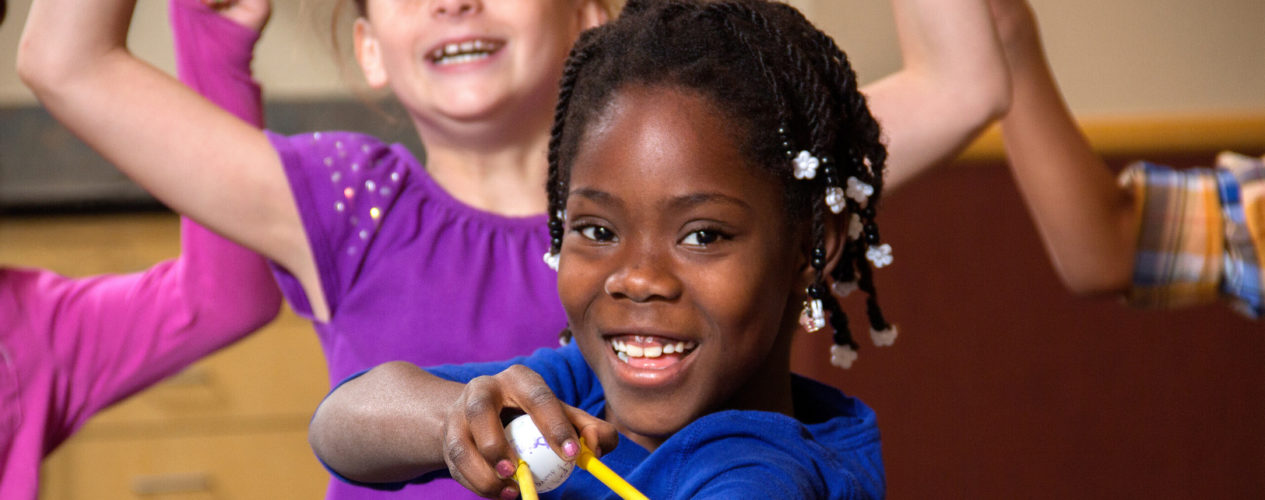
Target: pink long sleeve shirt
[71, 347]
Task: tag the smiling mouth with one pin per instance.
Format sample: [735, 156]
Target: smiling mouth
[650, 352]
[464, 52]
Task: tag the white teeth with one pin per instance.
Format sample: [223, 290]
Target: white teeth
[467, 46]
[463, 58]
[451, 49]
[625, 350]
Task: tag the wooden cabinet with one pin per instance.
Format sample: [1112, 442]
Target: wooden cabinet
[232, 426]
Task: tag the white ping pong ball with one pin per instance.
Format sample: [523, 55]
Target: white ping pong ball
[547, 468]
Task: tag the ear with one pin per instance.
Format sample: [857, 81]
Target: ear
[591, 14]
[368, 54]
[833, 239]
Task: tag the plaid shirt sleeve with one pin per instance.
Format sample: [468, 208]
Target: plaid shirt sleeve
[1200, 234]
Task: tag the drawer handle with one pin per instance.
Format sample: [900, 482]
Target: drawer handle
[166, 484]
[192, 376]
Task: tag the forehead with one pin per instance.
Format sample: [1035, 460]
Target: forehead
[663, 136]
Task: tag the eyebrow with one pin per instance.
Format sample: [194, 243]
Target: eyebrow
[596, 195]
[695, 199]
[677, 203]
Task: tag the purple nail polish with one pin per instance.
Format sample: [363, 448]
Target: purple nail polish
[509, 493]
[571, 448]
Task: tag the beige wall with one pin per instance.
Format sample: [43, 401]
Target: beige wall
[1112, 57]
[294, 58]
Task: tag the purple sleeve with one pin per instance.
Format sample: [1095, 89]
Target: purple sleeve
[343, 184]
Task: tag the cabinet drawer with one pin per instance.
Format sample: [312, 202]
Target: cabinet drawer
[277, 371]
[235, 466]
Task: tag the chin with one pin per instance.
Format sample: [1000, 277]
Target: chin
[656, 420]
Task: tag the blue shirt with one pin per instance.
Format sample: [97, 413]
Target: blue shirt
[831, 450]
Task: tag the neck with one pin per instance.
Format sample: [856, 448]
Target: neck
[494, 165]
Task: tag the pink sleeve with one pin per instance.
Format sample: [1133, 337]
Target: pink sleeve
[215, 292]
[75, 346]
[231, 285]
[229, 289]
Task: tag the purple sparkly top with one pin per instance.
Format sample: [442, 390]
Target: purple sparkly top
[409, 272]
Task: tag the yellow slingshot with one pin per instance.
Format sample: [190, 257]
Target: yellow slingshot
[588, 462]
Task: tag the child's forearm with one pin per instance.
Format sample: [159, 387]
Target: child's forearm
[954, 82]
[229, 287]
[384, 426]
[1087, 222]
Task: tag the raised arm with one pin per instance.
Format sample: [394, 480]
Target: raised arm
[953, 83]
[213, 54]
[146, 326]
[198, 159]
[1088, 223]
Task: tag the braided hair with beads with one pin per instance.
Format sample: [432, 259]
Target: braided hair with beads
[796, 109]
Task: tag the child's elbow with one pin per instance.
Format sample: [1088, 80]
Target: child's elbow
[30, 67]
[1109, 274]
[39, 67]
[1095, 285]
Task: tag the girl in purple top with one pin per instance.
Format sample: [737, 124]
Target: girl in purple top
[438, 262]
[71, 347]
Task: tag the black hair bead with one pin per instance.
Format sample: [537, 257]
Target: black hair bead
[815, 291]
[557, 242]
[871, 234]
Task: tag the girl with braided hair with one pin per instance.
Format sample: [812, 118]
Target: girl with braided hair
[703, 157]
[440, 261]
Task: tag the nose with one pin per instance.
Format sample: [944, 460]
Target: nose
[645, 279]
[456, 8]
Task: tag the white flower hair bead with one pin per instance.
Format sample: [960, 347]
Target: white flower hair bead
[854, 227]
[842, 356]
[806, 165]
[835, 199]
[551, 260]
[880, 255]
[813, 317]
[885, 337]
[859, 191]
[844, 288]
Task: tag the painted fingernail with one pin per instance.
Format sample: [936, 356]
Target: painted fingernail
[505, 469]
[509, 493]
[571, 448]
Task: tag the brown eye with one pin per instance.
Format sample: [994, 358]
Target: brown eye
[597, 233]
[702, 238]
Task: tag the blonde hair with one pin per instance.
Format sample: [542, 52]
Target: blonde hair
[612, 7]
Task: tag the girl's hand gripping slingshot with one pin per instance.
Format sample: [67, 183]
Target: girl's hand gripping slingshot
[540, 469]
